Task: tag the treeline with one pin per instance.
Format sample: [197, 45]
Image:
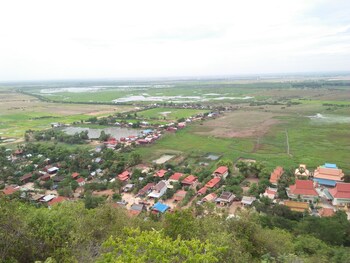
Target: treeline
[69, 232]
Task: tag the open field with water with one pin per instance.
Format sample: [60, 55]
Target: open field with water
[19, 112]
[313, 115]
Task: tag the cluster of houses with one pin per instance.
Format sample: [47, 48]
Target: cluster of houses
[205, 192]
[324, 186]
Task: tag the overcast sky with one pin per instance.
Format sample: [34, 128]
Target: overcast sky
[61, 39]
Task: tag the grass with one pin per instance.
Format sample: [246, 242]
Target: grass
[310, 142]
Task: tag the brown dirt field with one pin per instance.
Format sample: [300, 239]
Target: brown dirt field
[12, 102]
[239, 124]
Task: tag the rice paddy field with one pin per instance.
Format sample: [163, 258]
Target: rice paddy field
[280, 122]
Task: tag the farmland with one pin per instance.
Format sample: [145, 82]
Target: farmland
[19, 112]
[263, 114]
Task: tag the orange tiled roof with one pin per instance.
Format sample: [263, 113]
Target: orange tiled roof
[189, 179]
[326, 212]
[176, 176]
[221, 170]
[160, 173]
[303, 187]
[58, 199]
[276, 175]
[341, 190]
[329, 173]
[213, 182]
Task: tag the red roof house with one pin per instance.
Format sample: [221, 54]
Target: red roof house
[202, 191]
[9, 190]
[176, 177]
[326, 212]
[276, 175]
[80, 181]
[179, 195]
[160, 173]
[302, 189]
[75, 175]
[146, 189]
[124, 176]
[213, 182]
[221, 171]
[341, 194]
[190, 180]
[58, 199]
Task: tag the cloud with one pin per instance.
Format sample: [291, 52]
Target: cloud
[93, 39]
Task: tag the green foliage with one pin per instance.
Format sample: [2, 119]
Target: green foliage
[153, 246]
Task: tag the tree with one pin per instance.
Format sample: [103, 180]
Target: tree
[153, 246]
[134, 159]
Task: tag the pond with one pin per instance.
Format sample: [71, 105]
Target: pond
[116, 132]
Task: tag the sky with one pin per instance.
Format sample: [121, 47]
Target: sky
[83, 39]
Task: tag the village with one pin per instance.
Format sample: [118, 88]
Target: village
[160, 188]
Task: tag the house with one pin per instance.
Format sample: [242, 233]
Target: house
[45, 177]
[221, 172]
[9, 190]
[340, 194]
[56, 200]
[328, 174]
[137, 209]
[75, 175]
[124, 176]
[225, 198]
[247, 200]
[25, 178]
[52, 170]
[210, 197]
[158, 190]
[146, 189]
[297, 206]
[160, 173]
[276, 175]
[303, 190]
[301, 171]
[128, 187]
[190, 181]
[160, 208]
[80, 181]
[270, 193]
[175, 177]
[213, 183]
[179, 195]
[202, 191]
[326, 212]
[47, 198]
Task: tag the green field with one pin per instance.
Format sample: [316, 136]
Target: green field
[255, 130]
[311, 141]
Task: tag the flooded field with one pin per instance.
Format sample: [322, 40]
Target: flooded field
[116, 132]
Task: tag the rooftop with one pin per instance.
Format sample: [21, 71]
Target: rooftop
[176, 176]
[213, 182]
[221, 170]
[341, 190]
[189, 179]
[303, 187]
[160, 207]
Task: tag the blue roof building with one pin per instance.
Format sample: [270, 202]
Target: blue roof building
[160, 207]
[330, 165]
